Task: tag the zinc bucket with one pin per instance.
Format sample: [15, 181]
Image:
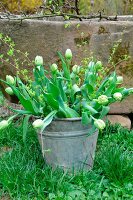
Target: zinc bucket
[66, 143]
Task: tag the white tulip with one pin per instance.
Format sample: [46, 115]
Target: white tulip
[10, 80]
[9, 91]
[38, 123]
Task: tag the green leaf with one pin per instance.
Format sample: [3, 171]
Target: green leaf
[70, 113]
[90, 89]
[25, 127]
[51, 101]
[75, 89]
[48, 119]
[102, 86]
[87, 91]
[112, 86]
[39, 76]
[118, 90]
[88, 107]
[36, 88]
[53, 89]
[24, 93]
[85, 118]
[12, 117]
[105, 110]
[22, 89]
[62, 93]
[90, 78]
[28, 104]
[23, 112]
[65, 67]
[126, 92]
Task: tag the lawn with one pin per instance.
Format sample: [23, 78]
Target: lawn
[24, 175]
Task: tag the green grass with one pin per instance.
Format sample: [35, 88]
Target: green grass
[25, 176]
[1, 98]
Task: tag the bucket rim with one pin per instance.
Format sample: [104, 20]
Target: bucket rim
[68, 119]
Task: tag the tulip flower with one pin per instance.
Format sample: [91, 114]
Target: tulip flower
[103, 100]
[68, 54]
[38, 60]
[100, 124]
[54, 67]
[98, 64]
[3, 124]
[130, 91]
[9, 91]
[91, 64]
[38, 123]
[10, 80]
[117, 96]
[76, 69]
[110, 79]
[119, 80]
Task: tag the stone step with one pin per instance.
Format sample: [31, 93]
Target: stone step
[119, 119]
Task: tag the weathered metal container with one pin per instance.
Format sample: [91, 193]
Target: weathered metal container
[66, 143]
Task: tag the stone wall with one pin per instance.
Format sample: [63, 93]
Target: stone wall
[111, 7]
[45, 38]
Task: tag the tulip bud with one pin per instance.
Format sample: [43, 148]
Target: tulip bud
[38, 60]
[91, 64]
[83, 87]
[79, 81]
[98, 64]
[119, 80]
[68, 54]
[38, 123]
[100, 124]
[3, 124]
[117, 96]
[110, 79]
[10, 80]
[130, 91]
[54, 67]
[126, 92]
[75, 88]
[103, 99]
[9, 90]
[76, 69]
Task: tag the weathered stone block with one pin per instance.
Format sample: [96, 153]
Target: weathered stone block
[119, 119]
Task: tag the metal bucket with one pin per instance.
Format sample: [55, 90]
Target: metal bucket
[66, 144]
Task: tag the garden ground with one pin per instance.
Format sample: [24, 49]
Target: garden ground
[25, 176]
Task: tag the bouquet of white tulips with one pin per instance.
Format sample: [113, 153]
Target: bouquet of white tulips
[66, 92]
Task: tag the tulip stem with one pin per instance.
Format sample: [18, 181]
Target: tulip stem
[12, 117]
[92, 117]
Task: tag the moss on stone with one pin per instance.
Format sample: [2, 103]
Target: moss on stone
[120, 52]
[82, 41]
[124, 67]
[127, 68]
[102, 30]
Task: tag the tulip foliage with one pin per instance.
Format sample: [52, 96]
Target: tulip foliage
[69, 92]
